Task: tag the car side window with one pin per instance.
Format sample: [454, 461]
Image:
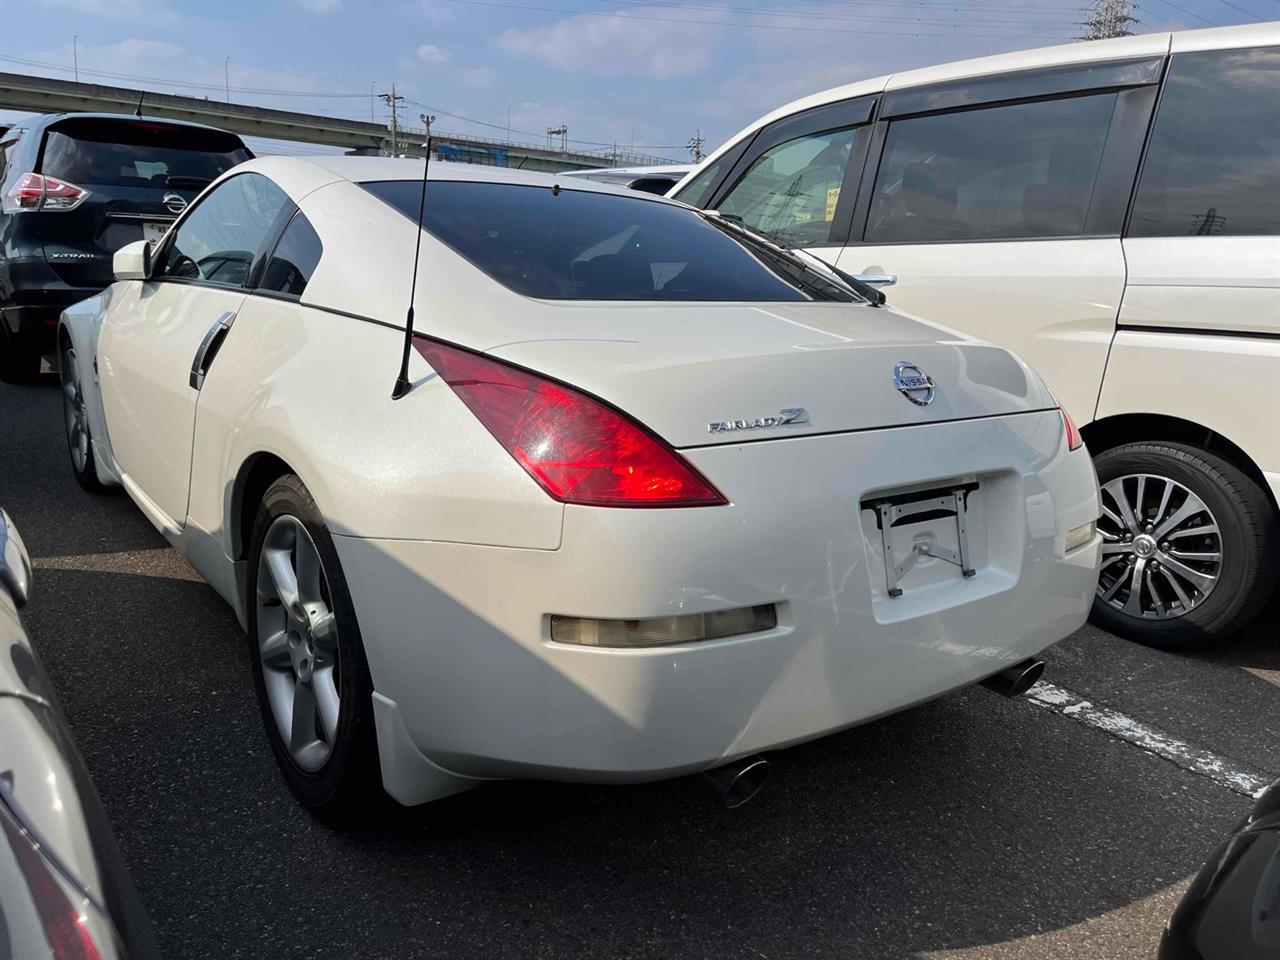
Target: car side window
[219, 239]
[294, 258]
[997, 173]
[790, 191]
[1213, 164]
[698, 191]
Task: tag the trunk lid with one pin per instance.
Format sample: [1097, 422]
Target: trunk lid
[681, 368]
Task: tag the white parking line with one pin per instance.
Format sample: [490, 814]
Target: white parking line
[1205, 763]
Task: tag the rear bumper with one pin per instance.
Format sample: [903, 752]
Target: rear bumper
[458, 639]
[33, 296]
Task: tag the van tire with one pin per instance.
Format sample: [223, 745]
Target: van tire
[1249, 537]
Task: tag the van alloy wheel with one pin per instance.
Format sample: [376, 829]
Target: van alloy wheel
[298, 643]
[1162, 547]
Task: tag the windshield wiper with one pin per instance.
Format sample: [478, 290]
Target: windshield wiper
[778, 247]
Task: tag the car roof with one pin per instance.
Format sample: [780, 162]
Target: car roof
[47, 119]
[1119, 48]
[300, 175]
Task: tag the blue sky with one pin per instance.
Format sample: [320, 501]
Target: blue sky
[648, 72]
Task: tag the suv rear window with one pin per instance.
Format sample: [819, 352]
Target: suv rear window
[138, 153]
[580, 245]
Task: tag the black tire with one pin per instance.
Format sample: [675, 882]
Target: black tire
[86, 474]
[347, 789]
[19, 359]
[1249, 539]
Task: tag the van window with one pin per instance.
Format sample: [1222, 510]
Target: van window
[1213, 167]
[1000, 173]
[790, 191]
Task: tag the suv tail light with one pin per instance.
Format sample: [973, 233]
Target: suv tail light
[578, 449]
[1074, 440]
[34, 191]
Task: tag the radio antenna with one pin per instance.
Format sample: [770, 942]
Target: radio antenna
[402, 381]
[138, 112]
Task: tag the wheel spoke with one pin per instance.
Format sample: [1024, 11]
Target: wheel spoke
[1155, 597]
[1133, 605]
[328, 702]
[309, 574]
[282, 575]
[1137, 500]
[1112, 590]
[1164, 501]
[1189, 508]
[1206, 530]
[1110, 548]
[1116, 489]
[1188, 555]
[302, 726]
[1186, 601]
[275, 652]
[1112, 516]
[1203, 581]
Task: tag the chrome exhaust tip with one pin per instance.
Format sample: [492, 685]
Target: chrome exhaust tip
[735, 783]
[1016, 680]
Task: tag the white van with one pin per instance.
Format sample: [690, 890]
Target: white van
[1111, 211]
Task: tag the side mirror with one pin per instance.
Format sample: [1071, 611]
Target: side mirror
[15, 562]
[133, 261]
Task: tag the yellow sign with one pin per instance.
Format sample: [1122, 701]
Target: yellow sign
[833, 195]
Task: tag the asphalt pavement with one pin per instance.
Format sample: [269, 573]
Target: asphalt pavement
[971, 827]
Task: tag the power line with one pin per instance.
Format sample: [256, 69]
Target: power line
[1168, 3]
[502, 4]
[1253, 16]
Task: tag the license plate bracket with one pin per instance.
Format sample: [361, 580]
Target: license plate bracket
[918, 507]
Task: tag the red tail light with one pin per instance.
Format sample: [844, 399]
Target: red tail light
[36, 192]
[1074, 440]
[579, 450]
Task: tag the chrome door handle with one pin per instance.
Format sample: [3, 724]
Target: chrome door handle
[877, 279]
[208, 349]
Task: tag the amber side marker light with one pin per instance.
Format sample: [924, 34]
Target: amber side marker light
[661, 631]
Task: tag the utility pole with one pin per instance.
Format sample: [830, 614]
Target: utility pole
[226, 76]
[1108, 18]
[75, 55]
[393, 101]
[427, 119]
[694, 146]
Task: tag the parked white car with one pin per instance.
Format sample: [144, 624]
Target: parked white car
[1109, 210]
[661, 495]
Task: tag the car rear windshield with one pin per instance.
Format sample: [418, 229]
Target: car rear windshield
[138, 153]
[577, 245]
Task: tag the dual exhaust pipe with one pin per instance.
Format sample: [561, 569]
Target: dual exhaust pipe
[734, 783]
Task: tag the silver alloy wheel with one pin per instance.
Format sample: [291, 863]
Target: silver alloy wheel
[73, 411]
[298, 643]
[1162, 547]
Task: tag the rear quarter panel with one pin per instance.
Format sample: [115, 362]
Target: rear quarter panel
[314, 389]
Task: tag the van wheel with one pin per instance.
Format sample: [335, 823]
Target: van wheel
[308, 662]
[1190, 545]
[76, 420]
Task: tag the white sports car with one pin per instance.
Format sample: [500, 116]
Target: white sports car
[660, 494]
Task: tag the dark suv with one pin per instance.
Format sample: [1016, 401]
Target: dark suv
[74, 188]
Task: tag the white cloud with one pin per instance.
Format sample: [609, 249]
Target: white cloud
[430, 53]
[620, 44]
[320, 6]
[479, 77]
